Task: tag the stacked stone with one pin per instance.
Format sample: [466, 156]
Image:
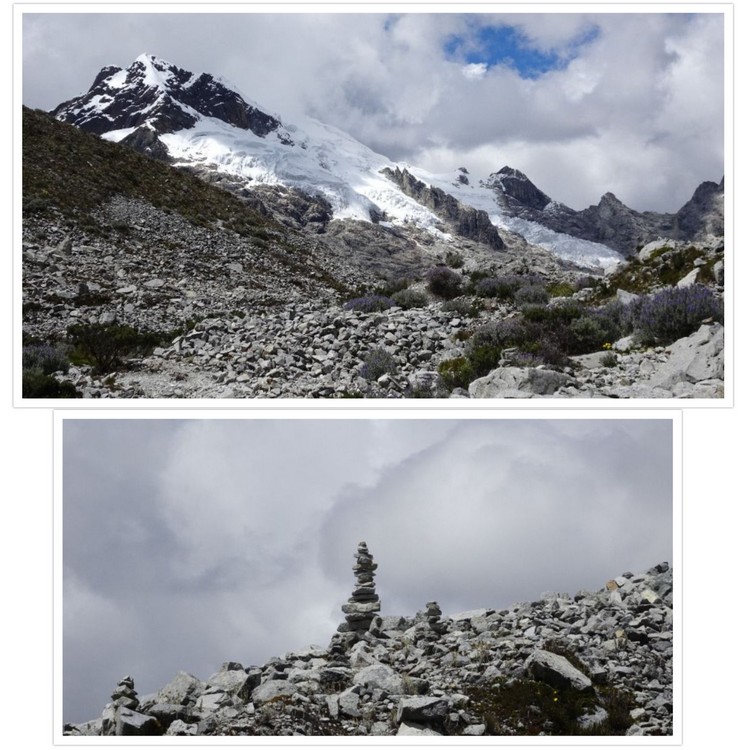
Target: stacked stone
[364, 603]
[434, 617]
[124, 694]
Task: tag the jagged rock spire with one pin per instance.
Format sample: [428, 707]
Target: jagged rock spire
[364, 603]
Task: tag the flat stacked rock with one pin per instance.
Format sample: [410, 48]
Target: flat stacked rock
[364, 603]
[434, 615]
[125, 694]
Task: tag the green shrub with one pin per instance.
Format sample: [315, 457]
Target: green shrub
[454, 259]
[35, 384]
[589, 334]
[531, 295]
[105, 346]
[560, 289]
[461, 306]
[410, 298]
[503, 287]
[609, 360]
[456, 373]
[44, 358]
[443, 282]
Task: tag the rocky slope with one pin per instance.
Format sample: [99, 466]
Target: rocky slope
[595, 663]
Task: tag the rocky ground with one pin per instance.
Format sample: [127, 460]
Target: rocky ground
[593, 663]
[262, 315]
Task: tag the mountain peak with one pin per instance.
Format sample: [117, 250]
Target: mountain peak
[518, 188]
[162, 97]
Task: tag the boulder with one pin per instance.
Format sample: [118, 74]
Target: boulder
[555, 670]
[519, 382]
[236, 682]
[272, 689]
[422, 710]
[382, 677]
[183, 689]
[697, 357]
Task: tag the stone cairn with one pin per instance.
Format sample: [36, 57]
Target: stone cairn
[124, 694]
[364, 603]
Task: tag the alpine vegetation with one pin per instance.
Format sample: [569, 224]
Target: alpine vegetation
[595, 663]
[181, 242]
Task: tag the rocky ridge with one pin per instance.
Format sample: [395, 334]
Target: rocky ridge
[593, 663]
[611, 222]
[464, 220]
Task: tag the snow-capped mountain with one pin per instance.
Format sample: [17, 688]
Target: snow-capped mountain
[200, 120]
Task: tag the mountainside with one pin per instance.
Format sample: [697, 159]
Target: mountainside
[195, 120]
[195, 256]
[198, 120]
[596, 663]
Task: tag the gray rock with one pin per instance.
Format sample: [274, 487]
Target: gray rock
[409, 729]
[697, 357]
[648, 250]
[422, 710]
[382, 677]
[180, 728]
[349, 703]
[236, 682]
[625, 297]
[555, 670]
[181, 690]
[129, 723]
[518, 382]
[689, 279]
[272, 689]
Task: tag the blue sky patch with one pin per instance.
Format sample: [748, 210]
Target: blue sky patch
[506, 45]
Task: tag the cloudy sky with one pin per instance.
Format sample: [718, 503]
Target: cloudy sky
[187, 543]
[582, 103]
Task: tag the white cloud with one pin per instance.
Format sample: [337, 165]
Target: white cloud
[638, 110]
[474, 71]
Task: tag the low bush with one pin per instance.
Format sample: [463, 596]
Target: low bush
[456, 373]
[560, 289]
[673, 313]
[410, 298]
[501, 287]
[105, 346]
[369, 304]
[454, 259]
[443, 282]
[377, 363]
[389, 287]
[44, 358]
[35, 384]
[460, 306]
[531, 295]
